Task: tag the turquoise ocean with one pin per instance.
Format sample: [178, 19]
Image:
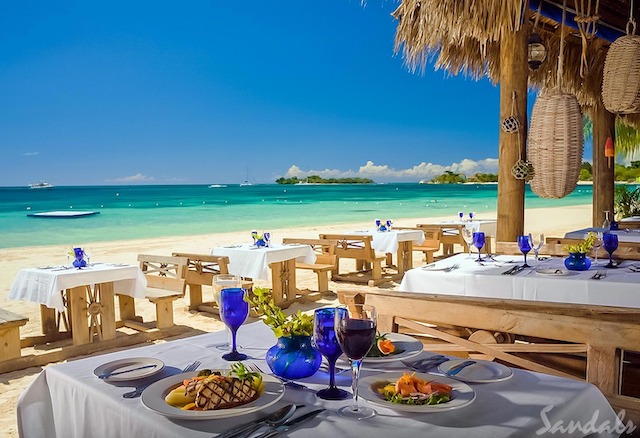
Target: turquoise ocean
[132, 212]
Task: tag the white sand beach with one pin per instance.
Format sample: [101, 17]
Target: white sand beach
[552, 221]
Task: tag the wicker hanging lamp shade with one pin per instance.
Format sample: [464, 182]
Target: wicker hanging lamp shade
[555, 144]
[555, 139]
[621, 76]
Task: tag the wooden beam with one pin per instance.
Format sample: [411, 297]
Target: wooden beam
[603, 171]
[514, 76]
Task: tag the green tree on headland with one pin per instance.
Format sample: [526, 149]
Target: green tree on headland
[448, 177]
[315, 179]
[483, 178]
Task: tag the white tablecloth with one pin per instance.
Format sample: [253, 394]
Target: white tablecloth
[67, 401]
[387, 241]
[44, 285]
[620, 287]
[249, 261]
[632, 235]
[487, 226]
[631, 219]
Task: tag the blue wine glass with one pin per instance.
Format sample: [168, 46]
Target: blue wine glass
[525, 246]
[461, 214]
[355, 327]
[471, 216]
[234, 310]
[378, 222]
[267, 239]
[478, 242]
[610, 244]
[325, 341]
[389, 223]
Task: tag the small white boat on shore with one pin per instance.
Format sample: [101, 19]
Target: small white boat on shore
[41, 185]
[63, 214]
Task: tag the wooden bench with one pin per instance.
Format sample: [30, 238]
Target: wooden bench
[431, 244]
[368, 264]
[511, 248]
[10, 324]
[165, 283]
[200, 271]
[325, 264]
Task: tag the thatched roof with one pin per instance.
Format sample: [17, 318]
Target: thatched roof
[463, 37]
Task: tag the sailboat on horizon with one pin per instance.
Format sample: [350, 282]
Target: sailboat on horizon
[246, 182]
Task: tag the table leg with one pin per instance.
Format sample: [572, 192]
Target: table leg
[127, 307]
[108, 311]
[405, 256]
[283, 278]
[48, 320]
[195, 296]
[77, 305]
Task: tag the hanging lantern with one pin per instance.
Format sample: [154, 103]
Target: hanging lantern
[537, 51]
[609, 150]
[555, 137]
[621, 75]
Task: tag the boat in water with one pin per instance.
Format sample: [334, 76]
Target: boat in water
[41, 185]
[215, 186]
[245, 183]
[63, 214]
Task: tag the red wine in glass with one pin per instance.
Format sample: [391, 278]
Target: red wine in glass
[326, 342]
[355, 327]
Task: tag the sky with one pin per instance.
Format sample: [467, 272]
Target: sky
[202, 92]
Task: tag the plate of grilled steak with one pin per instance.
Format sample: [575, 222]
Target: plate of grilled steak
[212, 394]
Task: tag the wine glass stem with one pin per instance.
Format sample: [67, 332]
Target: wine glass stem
[233, 340]
[332, 373]
[355, 371]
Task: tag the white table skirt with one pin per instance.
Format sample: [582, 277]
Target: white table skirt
[631, 236]
[631, 219]
[68, 401]
[387, 241]
[620, 288]
[487, 226]
[44, 285]
[249, 261]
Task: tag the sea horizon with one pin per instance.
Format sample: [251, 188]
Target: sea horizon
[160, 210]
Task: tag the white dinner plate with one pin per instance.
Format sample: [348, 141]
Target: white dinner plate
[129, 364]
[461, 395]
[153, 399]
[483, 371]
[554, 272]
[435, 268]
[411, 346]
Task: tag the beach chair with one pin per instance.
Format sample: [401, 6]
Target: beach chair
[165, 283]
[324, 266]
[368, 264]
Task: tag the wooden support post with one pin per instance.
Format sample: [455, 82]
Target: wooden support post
[104, 292]
[602, 368]
[77, 306]
[514, 76]
[48, 320]
[195, 296]
[603, 172]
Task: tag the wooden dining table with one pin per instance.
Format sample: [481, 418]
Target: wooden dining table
[398, 242]
[68, 400]
[82, 301]
[452, 231]
[249, 261]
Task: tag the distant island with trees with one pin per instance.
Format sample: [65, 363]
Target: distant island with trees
[315, 179]
[449, 177]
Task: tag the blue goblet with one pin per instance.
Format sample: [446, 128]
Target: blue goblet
[610, 244]
[234, 310]
[478, 242]
[525, 246]
[378, 222]
[461, 214]
[325, 341]
[471, 216]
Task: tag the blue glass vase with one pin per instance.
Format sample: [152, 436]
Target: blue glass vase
[261, 243]
[577, 261]
[294, 357]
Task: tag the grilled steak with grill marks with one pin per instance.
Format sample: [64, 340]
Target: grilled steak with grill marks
[217, 392]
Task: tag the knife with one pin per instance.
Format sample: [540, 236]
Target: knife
[108, 375]
[286, 426]
[457, 368]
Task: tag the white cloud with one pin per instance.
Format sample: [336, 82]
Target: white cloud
[420, 171]
[30, 154]
[138, 177]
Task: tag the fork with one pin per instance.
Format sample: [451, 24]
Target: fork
[452, 267]
[138, 391]
[290, 383]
